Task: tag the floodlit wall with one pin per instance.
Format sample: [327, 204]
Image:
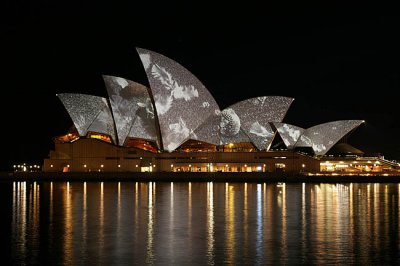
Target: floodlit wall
[92, 155]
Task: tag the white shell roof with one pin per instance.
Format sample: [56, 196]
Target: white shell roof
[89, 113]
[324, 136]
[182, 102]
[255, 114]
[132, 109]
[289, 133]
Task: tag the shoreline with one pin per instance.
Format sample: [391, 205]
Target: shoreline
[242, 177]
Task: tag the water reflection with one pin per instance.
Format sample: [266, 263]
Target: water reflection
[210, 223]
[259, 227]
[150, 251]
[230, 223]
[204, 223]
[19, 222]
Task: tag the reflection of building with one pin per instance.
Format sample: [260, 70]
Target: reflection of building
[176, 125]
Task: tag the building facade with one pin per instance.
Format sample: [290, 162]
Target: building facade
[176, 125]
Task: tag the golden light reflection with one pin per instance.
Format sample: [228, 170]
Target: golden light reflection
[230, 223]
[190, 210]
[303, 213]
[334, 211]
[150, 224]
[101, 217]
[376, 214]
[386, 210]
[317, 214]
[51, 207]
[245, 217]
[210, 223]
[119, 228]
[19, 216]
[136, 211]
[351, 205]
[171, 220]
[68, 227]
[84, 216]
[119, 208]
[259, 228]
[264, 200]
[269, 214]
[284, 222]
[34, 208]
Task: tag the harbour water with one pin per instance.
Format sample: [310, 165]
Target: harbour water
[199, 223]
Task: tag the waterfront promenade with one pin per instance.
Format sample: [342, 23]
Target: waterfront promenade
[251, 177]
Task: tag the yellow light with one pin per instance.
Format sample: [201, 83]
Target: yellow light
[50, 165]
[172, 165]
[68, 165]
[303, 165]
[119, 165]
[84, 165]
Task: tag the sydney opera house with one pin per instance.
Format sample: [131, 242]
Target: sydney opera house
[176, 125]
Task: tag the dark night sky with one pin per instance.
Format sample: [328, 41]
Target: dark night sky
[338, 61]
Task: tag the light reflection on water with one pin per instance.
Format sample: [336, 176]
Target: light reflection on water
[204, 223]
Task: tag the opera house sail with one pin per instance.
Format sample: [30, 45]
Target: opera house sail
[182, 103]
[289, 133]
[322, 137]
[89, 113]
[255, 114]
[132, 109]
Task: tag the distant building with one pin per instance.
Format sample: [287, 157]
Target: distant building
[176, 125]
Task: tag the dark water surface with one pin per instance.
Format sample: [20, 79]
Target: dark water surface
[128, 223]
